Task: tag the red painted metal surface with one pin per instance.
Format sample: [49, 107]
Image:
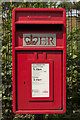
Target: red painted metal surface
[39, 20]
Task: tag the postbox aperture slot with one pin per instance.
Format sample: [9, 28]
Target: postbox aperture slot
[33, 27]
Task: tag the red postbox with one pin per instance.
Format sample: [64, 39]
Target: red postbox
[39, 60]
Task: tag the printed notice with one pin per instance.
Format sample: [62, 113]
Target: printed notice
[40, 79]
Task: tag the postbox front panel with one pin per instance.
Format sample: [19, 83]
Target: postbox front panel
[53, 98]
[39, 61]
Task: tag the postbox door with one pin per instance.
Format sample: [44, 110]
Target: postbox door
[53, 67]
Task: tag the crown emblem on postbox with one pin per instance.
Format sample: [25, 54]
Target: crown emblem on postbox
[31, 40]
[39, 39]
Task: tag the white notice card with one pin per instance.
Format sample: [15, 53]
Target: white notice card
[40, 79]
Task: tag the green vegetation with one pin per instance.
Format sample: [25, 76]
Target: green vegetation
[70, 5]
